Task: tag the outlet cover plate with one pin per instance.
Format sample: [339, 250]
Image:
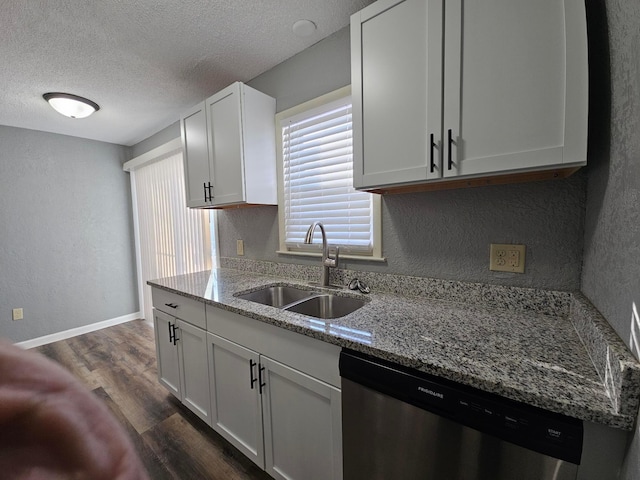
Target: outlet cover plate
[507, 258]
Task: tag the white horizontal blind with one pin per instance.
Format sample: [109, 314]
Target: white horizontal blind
[318, 180]
[174, 239]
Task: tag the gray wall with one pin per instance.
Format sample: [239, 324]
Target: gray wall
[320, 69]
[66, 247]
[160, 138]
[442, 234]
[611, 270]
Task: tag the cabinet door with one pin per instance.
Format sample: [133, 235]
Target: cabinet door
[166, 352]
[515, 84]
[194, 369]
[235, 396]
[225, 145]
[193, 129]
[302, 422]
[396, 69]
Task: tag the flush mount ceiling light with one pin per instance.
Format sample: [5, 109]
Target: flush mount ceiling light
[304, 28]
[71, 105]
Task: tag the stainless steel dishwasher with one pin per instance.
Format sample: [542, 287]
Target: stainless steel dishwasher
[399, 423]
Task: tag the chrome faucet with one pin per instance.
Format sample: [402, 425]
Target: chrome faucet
[327, 260]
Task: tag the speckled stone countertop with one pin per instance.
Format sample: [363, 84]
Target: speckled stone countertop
[533, 355]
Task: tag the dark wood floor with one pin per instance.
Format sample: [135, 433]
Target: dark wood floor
[119, 365]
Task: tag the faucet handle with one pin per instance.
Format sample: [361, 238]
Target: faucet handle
[332, 261]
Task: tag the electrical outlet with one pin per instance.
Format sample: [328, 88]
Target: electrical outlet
[240, 247]
[18, 314]
[507, 258]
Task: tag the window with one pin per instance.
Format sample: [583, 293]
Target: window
[171, 239]
[316, 180]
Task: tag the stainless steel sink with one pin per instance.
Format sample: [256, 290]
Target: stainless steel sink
[279, 296]
[327, 306]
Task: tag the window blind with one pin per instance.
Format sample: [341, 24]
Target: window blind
[318, 180]
[173, 238]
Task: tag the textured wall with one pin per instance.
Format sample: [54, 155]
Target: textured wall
[321, 68]
[611, 274]
[611, 270]
[442, 234]
[66, 247]
[447, 234]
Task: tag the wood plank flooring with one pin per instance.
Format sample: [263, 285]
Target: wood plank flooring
[119, 365]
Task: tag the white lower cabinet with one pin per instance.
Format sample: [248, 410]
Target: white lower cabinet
[182, 362]
[302, 418]
[167, 352]
[285, 420]
[272, 393]
[194, 371]
[236, 411]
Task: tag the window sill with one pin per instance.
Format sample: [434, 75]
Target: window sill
[363, 258]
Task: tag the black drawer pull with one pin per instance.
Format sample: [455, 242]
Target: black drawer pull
[171, 305]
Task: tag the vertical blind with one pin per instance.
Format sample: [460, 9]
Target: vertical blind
[317, 150]
[173, 238]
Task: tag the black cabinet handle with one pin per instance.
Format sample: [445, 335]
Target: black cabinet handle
[207, 191]
[253, 379]
[433, 165]
[450, 149]
[171, 305]
[171, 333]
[260, 370]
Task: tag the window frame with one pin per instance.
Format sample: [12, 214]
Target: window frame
[376, 254]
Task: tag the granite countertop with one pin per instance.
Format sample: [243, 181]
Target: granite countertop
[529, 356]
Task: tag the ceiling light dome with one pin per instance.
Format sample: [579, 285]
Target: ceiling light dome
[71, 105]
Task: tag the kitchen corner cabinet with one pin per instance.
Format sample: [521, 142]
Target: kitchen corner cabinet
[228, 144]
[275, 396]
[181, 348]
[447, 90]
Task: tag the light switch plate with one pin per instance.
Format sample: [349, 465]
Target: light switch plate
[507, 258]
[17, 314]
[240, 247]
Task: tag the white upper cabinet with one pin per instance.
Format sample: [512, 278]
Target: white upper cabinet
[229, 149]
[195, 150]
[396, 85]
[467, 88]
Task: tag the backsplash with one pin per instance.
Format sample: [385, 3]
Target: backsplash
[446, 234]
[546, 302]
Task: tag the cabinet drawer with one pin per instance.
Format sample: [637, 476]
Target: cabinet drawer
[191, 311]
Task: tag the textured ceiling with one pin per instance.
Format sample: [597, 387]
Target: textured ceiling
[143, 61]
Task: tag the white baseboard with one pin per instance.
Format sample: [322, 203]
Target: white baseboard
[74, 332]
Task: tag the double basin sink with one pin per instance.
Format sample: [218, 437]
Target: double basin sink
[305, 302]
